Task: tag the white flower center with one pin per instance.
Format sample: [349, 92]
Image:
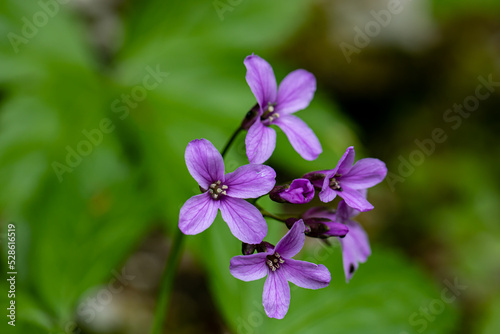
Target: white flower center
[217, 189]
[334, 183]
[269, 115]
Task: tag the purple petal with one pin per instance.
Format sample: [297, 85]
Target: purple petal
[250, 181]
[345, 163]
[365, 173]
[260, 77]
[244, 220]
[336, 229]
[345, 212]
[276, 295]
[197, 214]
[302, 138]
[260, 142]
[295, 92]
[327, 194]
[355, 249]
[249, 267]
[300, 191]
[305, 274]
[317, 178]
[293, 241]
[354, 199]
[204, 162]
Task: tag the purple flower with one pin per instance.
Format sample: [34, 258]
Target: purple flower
[224, 192]
[300, 191]
[276, 107]
[278, 265]
[345, 180]
[355, 245]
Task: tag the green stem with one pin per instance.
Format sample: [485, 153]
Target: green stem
[167, 281]
[266, 213]
[230, 141]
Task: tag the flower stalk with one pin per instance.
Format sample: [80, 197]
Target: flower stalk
[167, 283]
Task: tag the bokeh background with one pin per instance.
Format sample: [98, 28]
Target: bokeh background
[142, 78]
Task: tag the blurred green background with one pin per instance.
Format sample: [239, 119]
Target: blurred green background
[98, 100]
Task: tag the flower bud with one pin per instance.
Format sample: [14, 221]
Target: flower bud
[247, 249]
[300, 191]
[320, 227]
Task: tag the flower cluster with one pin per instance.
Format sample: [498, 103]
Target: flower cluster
[229, 192]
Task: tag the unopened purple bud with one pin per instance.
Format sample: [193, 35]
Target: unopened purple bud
[300, 191]
[250, 117]
[320, 227]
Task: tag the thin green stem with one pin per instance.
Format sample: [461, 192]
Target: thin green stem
[167, 281]
[230, 141]
[266, 213]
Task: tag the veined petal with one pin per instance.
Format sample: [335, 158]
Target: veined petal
[295, 92]
[354, 199]
[355, 249]
[250, 181]
[249, 267]
[365, 173]
[260, 142]
[302, 138]
[305, 274]
[276, 295]
[204, 162]
[244, 220]
[197, 214]
[345, 212]
[345, 163]
[260, 77]
[293, 241]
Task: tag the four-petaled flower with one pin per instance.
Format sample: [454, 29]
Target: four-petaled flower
[276, 107]
[345, 180]
[355, 245]
[300, 191]
[225, 192]
[278, 265]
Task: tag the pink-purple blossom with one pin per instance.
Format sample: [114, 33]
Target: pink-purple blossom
[346, 179]
[224, 192]
[300, 191]
[277, 105]
[355, 245]
[280, 268]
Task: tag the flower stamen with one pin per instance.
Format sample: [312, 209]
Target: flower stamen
[274, 261]
[334, 183]
[217, 189]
